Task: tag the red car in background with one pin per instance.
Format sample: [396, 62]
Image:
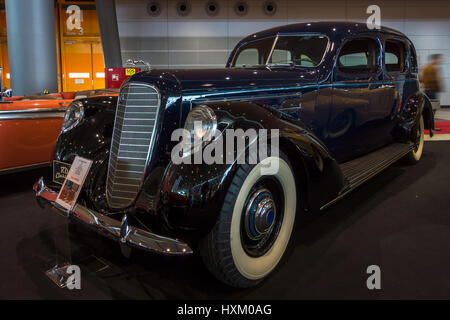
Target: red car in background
[30, 125]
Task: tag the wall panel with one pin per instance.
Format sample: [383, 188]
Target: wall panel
[201, 41]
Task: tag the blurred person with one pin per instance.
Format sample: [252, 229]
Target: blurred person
[431, 76]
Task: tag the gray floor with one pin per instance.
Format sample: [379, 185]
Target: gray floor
[400, 221]
[442, 114]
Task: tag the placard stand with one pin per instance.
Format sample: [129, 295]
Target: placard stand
[67, 254]
[67, 199]
[63, 256]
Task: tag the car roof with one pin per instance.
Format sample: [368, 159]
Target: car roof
[327, 28]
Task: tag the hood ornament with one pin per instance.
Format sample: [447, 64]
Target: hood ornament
[6, 93]
[132, 62]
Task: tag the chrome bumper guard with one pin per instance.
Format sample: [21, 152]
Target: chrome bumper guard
[118, 230]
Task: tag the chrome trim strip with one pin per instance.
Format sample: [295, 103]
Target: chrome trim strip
[38, 110]
[115, 229]
[49, 115]
[249, 97]
[36, 113]
[272, 49]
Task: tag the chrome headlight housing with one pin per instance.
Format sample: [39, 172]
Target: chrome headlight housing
[74, 114]
[200, 127]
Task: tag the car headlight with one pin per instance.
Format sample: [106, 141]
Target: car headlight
[201, 124]
[74, 114]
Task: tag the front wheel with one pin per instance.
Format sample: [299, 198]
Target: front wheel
[255, 224]
[414, 156]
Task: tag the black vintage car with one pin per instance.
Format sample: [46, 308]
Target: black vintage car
[343, 100]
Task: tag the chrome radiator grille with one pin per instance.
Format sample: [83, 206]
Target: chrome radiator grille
[133, 136]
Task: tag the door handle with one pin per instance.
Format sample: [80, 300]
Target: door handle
[383, 86]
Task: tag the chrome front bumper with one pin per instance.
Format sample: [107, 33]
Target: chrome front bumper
[118, 230]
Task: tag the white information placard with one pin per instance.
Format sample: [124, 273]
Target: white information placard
[68, 195]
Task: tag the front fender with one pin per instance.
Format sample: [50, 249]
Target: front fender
[193, 194]
[91, 139]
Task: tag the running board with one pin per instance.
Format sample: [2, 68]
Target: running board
[361, 169]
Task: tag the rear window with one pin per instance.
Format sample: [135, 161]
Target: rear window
[395, 56]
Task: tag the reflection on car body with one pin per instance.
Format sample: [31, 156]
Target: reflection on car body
[30, 125]
[346, 106]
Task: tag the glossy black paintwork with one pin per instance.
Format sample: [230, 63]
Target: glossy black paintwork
[310, 107]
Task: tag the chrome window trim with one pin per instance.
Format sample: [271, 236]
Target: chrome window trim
[272, 49]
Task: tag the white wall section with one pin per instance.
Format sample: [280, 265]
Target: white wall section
[202, 41]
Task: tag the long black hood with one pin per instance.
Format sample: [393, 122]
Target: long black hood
[191, 81]
[181, 90]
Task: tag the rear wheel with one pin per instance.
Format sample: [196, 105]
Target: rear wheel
[254, 226]
[414, 156]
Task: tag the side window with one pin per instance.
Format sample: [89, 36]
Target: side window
[247, 57]
[358, 56]
[281, 56]
[394, 56]
[253, 53]
[306, 61]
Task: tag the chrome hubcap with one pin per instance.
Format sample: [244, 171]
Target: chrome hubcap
[260, 215]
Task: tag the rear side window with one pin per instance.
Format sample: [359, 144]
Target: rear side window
[395, 56]
[358, 56]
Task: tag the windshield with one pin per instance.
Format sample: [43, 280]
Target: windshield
[289, 50]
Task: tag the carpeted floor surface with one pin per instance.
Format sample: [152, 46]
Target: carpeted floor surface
[400, 221]
[442, 127]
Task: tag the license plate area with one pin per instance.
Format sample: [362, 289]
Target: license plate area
[60, 170]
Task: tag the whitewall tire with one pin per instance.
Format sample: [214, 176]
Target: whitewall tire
[255, 224]
[414, 156]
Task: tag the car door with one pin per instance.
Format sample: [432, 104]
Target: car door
[28, 132]
[354, 116]
[395, 78]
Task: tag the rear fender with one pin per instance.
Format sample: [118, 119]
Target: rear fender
[428, 115]
[416, 105]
